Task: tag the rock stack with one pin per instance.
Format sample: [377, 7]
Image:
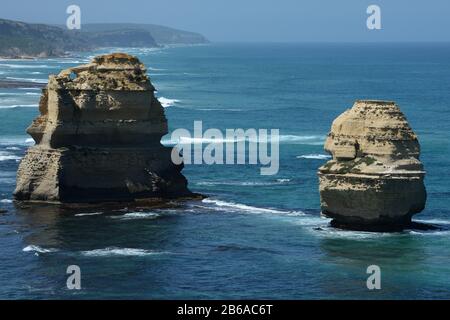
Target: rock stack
[375, 179]
[98, 138]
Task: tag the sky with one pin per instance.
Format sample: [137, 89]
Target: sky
[257, 20]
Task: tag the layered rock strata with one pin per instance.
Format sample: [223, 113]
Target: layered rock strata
[375, 180]
[98, 138]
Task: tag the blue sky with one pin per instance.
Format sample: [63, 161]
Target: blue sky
[257, 20]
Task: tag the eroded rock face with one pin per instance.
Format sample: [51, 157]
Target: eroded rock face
[98, 138]
[375, 179]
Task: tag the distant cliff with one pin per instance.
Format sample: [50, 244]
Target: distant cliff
[21, 40]
[162, 35]
[24, 40]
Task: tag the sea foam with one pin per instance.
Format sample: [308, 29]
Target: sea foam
[165, 102]
[245, 183]
[114, 251]
[6, 156]
[88, 214]
[314, 156]
[137, 215]
[34, 80]
[237, 207]
[34, 248]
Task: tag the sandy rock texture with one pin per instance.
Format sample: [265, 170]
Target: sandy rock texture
[98, 138]
[375, 180]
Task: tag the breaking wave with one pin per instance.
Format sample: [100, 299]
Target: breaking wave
[15, 141]
[137, 215]
[433, 221]
[38, 249]
[88, 214]
[297, 139]
[5, 156]
[34, 80]
[165, 102]
[245, 183]
[314, 156]
[26, 66]
[237, 207]
[114, 251]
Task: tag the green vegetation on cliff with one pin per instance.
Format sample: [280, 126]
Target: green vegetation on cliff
[22, 40]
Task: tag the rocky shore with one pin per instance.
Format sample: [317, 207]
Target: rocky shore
[375, 180]
[98, 138]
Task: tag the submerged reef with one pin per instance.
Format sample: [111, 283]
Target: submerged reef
[98, 138]
[375, 180]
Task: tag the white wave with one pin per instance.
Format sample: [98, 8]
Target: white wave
[13, 148]
[156, 69]
[430, 233]
[8, 94]
[137, 215]
[114, 251]
[34, 248]
[35, 80]
[6, 201]
[314, 156]
[327, 231]
[19, 106]
[237, 207]
[88, 214]
[5, 156]
[165, 102]
[309, 220]
[26, 66]
[245, 183]
[15, 140]
[68, 61]
[298, 139]
[432, 221]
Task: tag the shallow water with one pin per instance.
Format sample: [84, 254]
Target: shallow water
[256, 236]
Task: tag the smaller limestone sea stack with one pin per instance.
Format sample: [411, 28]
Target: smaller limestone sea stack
[375, 179]
[98, 138]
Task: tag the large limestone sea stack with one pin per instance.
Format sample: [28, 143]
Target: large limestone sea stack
[98, 138]
[375, 179]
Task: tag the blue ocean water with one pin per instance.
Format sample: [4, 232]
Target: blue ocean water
[255, 236]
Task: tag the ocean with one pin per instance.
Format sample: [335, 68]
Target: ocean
[254, 237]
